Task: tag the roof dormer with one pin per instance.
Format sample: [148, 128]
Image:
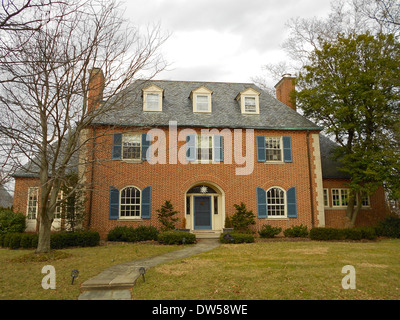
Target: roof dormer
[249, 101]
[201, 98]
[152, 98]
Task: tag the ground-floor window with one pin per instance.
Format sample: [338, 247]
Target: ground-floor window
[276, 202]
[33, 201]
[130, 202]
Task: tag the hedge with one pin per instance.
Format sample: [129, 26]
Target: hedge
[343, 234]
[11, 222]
[234, 237]
[268, 231]
[176, 237]
[130, 234]
[390, 227]
[296, 231]
[57, 240]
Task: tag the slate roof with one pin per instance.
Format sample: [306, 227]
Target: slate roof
[226, 113]
[330, 167]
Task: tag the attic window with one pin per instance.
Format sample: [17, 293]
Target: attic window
[152, 98]
[249, 101]
[201, 99]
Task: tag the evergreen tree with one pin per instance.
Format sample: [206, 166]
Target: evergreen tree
[166, 216]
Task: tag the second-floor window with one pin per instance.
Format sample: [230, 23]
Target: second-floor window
[131, 146]
[273, 148]
[250, 105]
[204, 148]
[202, 103]
[153, 102]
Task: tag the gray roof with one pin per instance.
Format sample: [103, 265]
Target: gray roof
[330, 167]
[6, 200]
[177, 106]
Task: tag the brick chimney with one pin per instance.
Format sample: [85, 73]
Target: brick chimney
[284, 88]
[96, 88]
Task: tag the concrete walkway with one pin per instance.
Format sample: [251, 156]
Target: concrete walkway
[116, 282]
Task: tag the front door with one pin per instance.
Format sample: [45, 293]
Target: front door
[202, 212]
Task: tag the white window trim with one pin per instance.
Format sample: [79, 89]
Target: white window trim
[281, 148]
[60, 197]
[327, 197]
[340, 199]
[140, 147]
[36, 189]
[195, 103]
[285, 204]
[212, 148]
[140, 205]
[249, 93]
[153, 89]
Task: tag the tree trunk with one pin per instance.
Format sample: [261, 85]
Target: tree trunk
[352, 210]
[44, 234]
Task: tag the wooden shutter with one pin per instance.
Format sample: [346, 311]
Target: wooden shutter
[146, 203]
[287, 149]
[117, 146]
[291, 203]
[146, 141]
[191, 147]
[261, 153]
[218, 148]
[114, 203]
[261, 203]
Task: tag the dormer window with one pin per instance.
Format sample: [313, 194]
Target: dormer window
[201, 99]
[152, 98]
[249, 101]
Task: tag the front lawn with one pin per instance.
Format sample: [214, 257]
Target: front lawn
[279, 270]
[21, 277]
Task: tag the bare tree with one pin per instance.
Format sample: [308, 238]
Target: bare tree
[44, 93]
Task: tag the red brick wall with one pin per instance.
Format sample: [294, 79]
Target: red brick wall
[336, 218]
[171, 181]
[21, 193]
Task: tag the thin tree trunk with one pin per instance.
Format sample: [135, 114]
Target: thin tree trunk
[44, 234]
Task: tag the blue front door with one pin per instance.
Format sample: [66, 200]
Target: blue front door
[202, 212]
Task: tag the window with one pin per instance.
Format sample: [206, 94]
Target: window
[340, 197]
[273, 148]
[365, 200]
[249, 101]
[250, 105]
[326, 198]
[187, 205]
[276, 202]
[152, 98]
[204, 148]
[130, 203]
[57, 214]
[131, 146]
[201, 99]
[32, 208]
[152, 102]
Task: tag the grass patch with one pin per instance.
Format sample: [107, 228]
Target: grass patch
[278, 270]
[21, 277]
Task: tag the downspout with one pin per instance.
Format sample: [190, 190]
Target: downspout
[310, 179]
[91, 178]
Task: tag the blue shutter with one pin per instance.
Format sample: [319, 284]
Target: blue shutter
[261, 203]
[146, 203]
[291, 203]
[218, 148]
[146, 141]
[117, 146]
[114, 203]
[261, 153]
[287, 149]
[191, 147]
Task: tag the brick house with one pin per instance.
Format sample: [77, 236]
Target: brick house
[206, 146]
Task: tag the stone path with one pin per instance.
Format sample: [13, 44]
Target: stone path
[116, 282]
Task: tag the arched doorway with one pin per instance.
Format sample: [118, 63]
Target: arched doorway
[205, 207]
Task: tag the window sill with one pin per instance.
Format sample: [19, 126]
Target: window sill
[131, 161]
[129, 219]
[277, 218]
[274, 162]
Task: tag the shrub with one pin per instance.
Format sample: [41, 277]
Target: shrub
[326, 234]
[368, 233]
[11, 222]
[234, 237]
[144, 233]
[130, 234]
[296, 231]
[74, 239]
[268, 231]
[166, 216]
[14, 241]
[29, 240]
[176, 237]
[390, 227]
[242, 219]
[119, 234]
[352, 234]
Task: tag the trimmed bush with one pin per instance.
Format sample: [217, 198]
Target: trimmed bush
[352, 234]
[326, 234]
[390, 227]
[368, 233]
[11, 222]
[234, 237]
[176, 237]
[130, 234]
[74, 239]
[29, 240]
[296, 232]
[268, 231]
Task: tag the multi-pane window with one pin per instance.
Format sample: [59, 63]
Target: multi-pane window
[130, 203]
[250, 104]
[202, 103]
[340, 197]
[276, 202]
[57, 214]
[365, 200]
[131, 146]
[204, 148]
[152, 102]
[273, 148]
[32, 208]
[336, 198]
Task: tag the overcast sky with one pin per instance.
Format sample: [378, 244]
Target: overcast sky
[222, 40]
